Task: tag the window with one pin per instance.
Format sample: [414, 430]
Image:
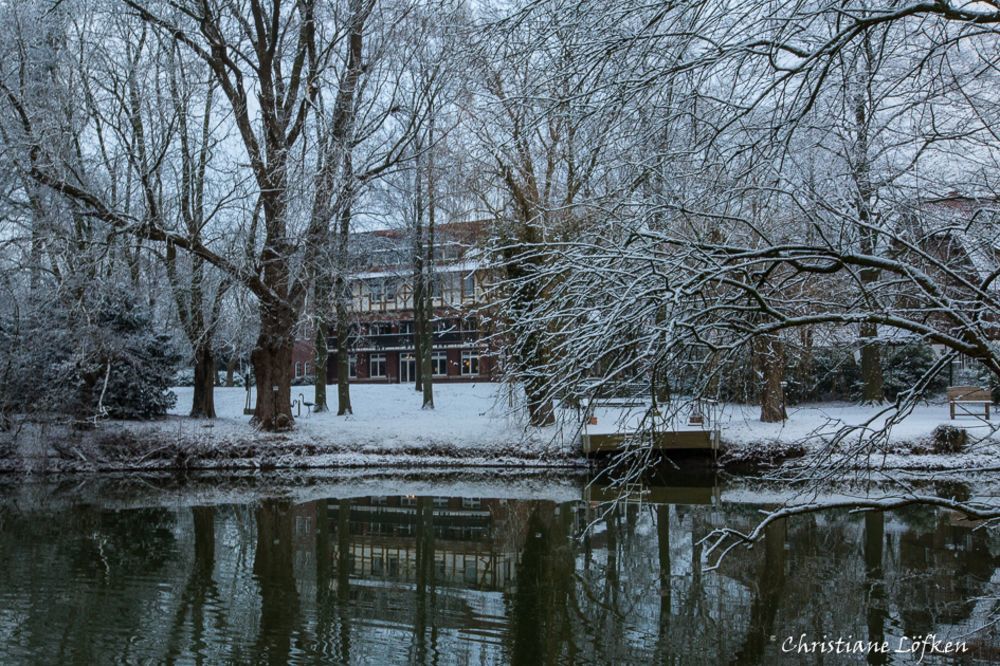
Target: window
[471, 577]
[390, 289]
[352, 366]
[439, 364]
[406, 327]
[376, 365]
[305, 368]
[470, 363]
[469, 286]
[376, 288]
[298, 369]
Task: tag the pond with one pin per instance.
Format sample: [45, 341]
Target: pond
[450, 571]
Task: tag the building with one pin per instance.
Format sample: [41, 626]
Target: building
[382, 333]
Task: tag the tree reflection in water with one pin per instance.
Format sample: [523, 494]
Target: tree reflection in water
[451, 579]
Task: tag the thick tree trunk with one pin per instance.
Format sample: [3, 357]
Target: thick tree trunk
[530, 355]
[540, 408]
[319, 360]
[272, 365]
[343, 362]
[203, 402]
[341, 292]
[871, 366]
[770, 364]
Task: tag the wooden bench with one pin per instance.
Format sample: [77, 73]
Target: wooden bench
[964, 396]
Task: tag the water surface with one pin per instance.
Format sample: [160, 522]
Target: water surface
[462, 574]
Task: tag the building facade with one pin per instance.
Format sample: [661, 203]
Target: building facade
[382, 334]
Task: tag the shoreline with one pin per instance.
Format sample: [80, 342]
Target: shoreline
[473, 427]
[134, 449]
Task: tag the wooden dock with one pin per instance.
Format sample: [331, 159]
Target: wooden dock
[672, 440]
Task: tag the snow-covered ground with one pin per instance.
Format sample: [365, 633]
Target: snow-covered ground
[477, 425]
[387, 417]
[471, 423]
[741, 423]
[811, 427]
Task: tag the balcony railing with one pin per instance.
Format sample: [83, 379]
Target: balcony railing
[404, 341]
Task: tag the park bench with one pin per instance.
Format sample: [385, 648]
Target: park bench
[969, 396]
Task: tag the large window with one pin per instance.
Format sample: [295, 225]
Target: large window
[298, 369]
[376, 365]
[439, 364]
[352, 366]
[470, 363]
[407, 368]
[469, 286]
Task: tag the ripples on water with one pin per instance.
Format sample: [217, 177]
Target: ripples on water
[461, 578]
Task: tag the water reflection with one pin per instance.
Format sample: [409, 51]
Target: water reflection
[455, 578]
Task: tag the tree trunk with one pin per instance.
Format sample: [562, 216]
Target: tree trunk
[427, 343]
[420, 286]
[203, 403]
[418, 333]
[540, 409]
[770, 364]
[272, 365]
[341, 290]
[530, 354]
[871, 366]
[424, 361]
[319, 360]
[343, 363]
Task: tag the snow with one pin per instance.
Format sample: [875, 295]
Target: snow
[814, 425]
[741, 423]
[473, 422]
[476, 425]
